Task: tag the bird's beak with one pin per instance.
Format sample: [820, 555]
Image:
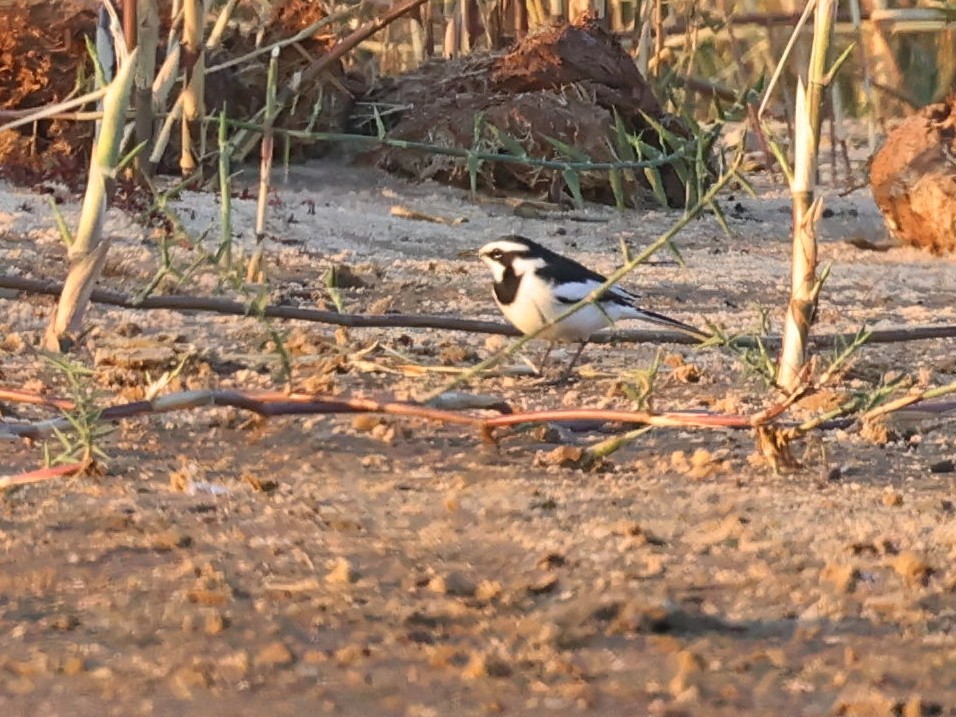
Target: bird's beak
[469, 254]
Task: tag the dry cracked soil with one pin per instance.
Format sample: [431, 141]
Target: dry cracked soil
[223, 564]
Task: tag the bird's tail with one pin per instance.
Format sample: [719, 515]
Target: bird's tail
[654, 318]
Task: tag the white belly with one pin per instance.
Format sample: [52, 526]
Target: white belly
[528, 313]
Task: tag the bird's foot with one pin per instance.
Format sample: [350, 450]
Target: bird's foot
[555, 377]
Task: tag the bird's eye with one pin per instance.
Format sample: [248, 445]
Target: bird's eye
[497, 254]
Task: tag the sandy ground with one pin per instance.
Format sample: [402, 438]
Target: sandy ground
[330, 565]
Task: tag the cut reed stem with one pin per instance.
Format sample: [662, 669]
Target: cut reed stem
[254, 272]
[194, 82]
[87, 253]
[804, 286]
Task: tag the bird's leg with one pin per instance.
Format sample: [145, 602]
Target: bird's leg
[544, 358]
[567, 372]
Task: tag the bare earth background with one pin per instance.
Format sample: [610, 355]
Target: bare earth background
[330, 565]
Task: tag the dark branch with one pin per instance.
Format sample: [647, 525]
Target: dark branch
[217, 305]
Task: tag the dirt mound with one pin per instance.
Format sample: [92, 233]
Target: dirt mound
[42, 53]
[557, 95]
[43, 57]
[913, 178]
[322, 105]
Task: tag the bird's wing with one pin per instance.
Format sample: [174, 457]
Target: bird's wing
[572, 282]
[652, 317]
[558, 269]
[571, 292]
[624, 305]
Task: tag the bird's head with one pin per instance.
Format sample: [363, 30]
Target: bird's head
[511, 252]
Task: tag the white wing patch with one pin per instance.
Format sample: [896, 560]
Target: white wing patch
[575, 292]
[572, 293]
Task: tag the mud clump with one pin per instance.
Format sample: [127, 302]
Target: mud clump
[43, 59]
[913, 178]
[41, 52]
[569, 93]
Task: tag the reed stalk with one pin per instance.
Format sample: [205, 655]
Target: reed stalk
[146, 37]
[87, 253]
[254, 271]
[130, 23]
[804, 286]
[215, 35]
[658, 37]
[521, 19]
[193, 63]
[224, 253]
[643, 25]
[451, 41]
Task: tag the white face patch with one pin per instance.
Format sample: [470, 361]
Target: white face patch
[497, 269]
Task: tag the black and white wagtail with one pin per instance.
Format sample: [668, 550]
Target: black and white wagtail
[533, 286]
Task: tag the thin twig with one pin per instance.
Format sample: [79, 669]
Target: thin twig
[338, 137]
[303, 34]
[29, 116]
[671, 419]
[908, 400]
[782, 62]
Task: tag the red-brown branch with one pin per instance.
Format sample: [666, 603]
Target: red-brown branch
[16, 396]
[41, 475]
[261, 403]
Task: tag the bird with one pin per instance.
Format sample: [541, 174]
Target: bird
[534, 285]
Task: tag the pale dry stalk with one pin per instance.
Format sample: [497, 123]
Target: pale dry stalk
[147, 39]
[658, 37]
[452, 37]
[194, 82]
[803, 267]
[254, 271]
[856, 16]
[87, 253]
